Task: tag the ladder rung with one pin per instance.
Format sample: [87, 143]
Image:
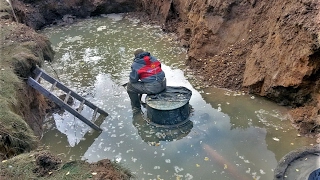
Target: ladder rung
[94, 114]
[81, 106]
[53, 86]
[38, 77]
[67, 97]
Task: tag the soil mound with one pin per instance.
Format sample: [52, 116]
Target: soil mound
[46, 163]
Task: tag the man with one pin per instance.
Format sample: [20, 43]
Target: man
[146, 77]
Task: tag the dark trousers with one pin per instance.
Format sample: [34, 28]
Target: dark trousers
[135, 90]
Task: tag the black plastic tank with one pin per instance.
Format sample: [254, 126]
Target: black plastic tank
[170, 107]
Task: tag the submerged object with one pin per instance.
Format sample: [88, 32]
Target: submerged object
[170, 107]
[153, 135]
[300, 164]
[229, 167]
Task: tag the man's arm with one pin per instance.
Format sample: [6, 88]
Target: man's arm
[134, 77]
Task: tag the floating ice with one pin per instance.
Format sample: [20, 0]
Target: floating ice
[248, 171]
[276, 139]
[129, 150]
[107, 148]
[134, 159]
[188, 176]
[73, 39]
[219, 109]
[178, 169]
[118, 157]
[100, 145]
[101, 28]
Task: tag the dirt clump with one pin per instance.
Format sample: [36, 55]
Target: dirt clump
[46, 163]
[306, 120]
[104, 169]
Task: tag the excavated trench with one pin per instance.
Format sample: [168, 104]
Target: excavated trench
[225, 42]
[202, 27]
[95, 62]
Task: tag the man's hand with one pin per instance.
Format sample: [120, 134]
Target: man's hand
[125, 85]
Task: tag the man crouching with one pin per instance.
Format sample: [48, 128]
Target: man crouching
[146, 77]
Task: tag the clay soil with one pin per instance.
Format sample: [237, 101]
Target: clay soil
[226, 69]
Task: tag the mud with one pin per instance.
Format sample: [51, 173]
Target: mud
[46, 163]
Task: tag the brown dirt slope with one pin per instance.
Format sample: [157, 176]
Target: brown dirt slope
[21, 49]
[269, 48]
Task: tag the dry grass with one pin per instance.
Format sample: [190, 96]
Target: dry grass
[24, 166]
[15, 135]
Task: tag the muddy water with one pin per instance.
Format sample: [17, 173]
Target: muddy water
[231, 135]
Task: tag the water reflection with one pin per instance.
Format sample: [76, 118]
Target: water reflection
[153, 134]
[77, 146]
[249, 112]
[230, 134]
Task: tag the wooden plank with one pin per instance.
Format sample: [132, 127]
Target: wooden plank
[59, 85]
[57, 100]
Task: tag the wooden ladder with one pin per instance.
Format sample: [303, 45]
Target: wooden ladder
[33, 82]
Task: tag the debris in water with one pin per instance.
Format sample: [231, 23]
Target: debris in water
[276, 139]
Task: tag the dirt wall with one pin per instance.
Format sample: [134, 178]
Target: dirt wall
[268, 48]
[39, 13]
[22, 109]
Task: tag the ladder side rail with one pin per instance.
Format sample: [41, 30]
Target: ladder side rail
[57, 100]
[59, 85]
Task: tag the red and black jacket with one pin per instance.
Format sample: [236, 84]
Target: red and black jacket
[146, 68]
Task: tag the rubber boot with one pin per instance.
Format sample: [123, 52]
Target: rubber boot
[135, 102]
